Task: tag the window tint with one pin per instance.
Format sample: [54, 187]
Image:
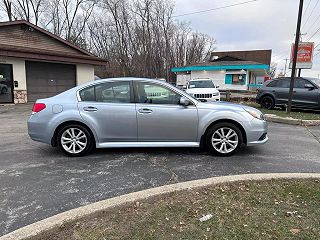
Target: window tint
[273, 83]
[300, 83]
[113, 92]
[87, 94]
[285, 83]
[156, 94]
[109, 92]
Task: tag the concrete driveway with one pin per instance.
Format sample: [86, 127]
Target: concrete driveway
[37, 181]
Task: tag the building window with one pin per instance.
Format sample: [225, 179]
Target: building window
[238, 79]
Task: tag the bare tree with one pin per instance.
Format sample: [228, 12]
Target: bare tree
[138, 37]
[7, 7]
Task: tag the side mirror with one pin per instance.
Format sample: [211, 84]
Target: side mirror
[309, 86]
[217, 86]
[184, 101]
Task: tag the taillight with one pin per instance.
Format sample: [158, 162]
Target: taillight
[37, 107]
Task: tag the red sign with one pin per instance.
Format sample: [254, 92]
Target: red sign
[305, 54]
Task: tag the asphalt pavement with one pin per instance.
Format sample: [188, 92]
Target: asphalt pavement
[38, 181]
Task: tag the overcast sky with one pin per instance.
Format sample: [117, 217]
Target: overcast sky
[263, 24]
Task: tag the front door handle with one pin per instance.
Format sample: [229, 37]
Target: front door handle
[90, 109]
[145, 111]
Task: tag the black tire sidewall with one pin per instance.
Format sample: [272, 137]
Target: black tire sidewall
[271, 99]
[90, 142]
[210, 132]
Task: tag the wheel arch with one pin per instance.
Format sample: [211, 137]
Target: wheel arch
[204, 135]
[54, 142]
[268, 94]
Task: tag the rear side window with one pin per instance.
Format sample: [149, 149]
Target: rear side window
[273, 83]
[284, 83]
[109, 92]
[87, 94]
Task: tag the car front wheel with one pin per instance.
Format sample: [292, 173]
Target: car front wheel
[224, 139]
[75, 140]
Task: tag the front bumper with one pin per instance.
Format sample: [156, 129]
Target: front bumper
[259, 142]
[257, 132]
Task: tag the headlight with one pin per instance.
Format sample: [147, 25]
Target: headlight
[215, 94]
[254, 112]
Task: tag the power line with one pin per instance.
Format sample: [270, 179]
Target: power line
[310, 14]
[307, 8]
[314, 34]
[313, 23]
[214, 9]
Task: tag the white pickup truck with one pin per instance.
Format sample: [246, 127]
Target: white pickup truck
[203, 89]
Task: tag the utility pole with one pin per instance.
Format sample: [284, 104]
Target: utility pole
[285, 67]
[295, 55]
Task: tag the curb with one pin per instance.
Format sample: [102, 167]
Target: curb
[74, 214]
[291, 121]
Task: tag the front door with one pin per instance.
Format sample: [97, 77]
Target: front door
[6, 83]
[160, 116]
[305, 97]
[109, 107]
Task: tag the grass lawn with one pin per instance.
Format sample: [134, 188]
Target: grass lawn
[278, 209]
[297, 114]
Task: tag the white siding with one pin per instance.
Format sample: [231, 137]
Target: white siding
[182, 79]
[218, 77]
[19, 71]
[85, 73]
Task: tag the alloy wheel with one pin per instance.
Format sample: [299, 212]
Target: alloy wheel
[225, 140]
[267, 102]
[74, 140]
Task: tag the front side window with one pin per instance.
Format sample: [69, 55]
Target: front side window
[300, 83]
[201, 84]
[108, 92]
[156, 94]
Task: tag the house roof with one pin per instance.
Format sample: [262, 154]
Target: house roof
[260, 56]
[78, 55]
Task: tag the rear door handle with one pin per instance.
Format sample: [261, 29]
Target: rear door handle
[90, 109]
[145, 111]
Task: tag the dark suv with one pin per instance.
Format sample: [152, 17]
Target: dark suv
[306, 93]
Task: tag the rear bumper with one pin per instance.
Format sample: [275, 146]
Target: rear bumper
[38, 130]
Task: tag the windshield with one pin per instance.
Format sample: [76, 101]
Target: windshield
[201, 84]
[315, 81]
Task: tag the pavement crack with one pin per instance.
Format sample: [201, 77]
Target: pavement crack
[315, 136]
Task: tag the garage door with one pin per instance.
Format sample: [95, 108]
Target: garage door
[48, 79]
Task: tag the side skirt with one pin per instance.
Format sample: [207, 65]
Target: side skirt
[147, 144]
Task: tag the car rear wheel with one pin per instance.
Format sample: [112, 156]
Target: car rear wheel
[75, 140]
[268, 102]
[224, 139]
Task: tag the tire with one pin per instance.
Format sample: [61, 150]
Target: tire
[75, 140]
[224, 139]
[267, 102]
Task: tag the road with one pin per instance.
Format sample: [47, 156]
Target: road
[38, 181]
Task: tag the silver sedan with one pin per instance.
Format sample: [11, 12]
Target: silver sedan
[137, 112]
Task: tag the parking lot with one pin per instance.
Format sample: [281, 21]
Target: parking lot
[38, 181]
